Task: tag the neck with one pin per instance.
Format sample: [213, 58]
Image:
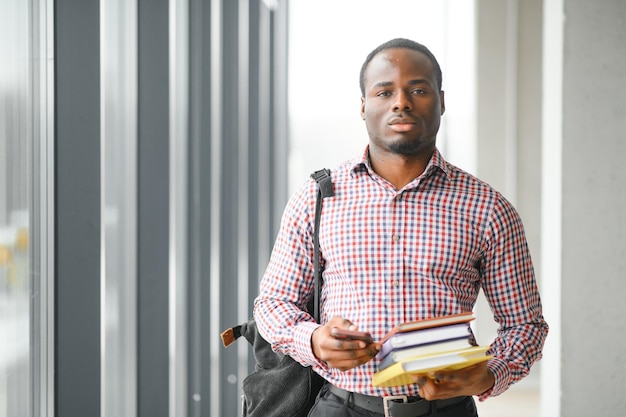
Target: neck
[399, 170]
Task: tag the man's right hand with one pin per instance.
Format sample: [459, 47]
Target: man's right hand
[341, 354]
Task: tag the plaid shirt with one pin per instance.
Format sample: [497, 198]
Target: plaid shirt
[392, 256]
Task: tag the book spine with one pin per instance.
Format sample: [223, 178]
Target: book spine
[425, 336]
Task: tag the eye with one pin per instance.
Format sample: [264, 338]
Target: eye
[418, 91]
[383, 94]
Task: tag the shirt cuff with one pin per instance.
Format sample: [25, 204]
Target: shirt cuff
[302, 334]
[502, 376]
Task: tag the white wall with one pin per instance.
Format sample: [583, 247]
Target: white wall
[593, 189]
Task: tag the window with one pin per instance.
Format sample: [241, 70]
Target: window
[25, 304]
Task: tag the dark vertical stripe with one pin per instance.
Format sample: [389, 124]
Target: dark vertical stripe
[153, 209]
[77, 208]
[199, 206]
[229, 211]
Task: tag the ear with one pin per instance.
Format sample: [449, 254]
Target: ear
[443, 102]
[363, 108]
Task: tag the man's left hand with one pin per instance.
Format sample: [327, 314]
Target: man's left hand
[473, 380]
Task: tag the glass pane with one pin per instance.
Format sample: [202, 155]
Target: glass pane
[15, 189]
[118, 51]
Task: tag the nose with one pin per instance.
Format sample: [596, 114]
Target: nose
[402, 101]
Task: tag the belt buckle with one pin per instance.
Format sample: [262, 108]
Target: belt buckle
[386, 400]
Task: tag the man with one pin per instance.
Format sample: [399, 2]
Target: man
[406, 237]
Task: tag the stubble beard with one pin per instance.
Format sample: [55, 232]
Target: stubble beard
[404, 147]
[410, 146]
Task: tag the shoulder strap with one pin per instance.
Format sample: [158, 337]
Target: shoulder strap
[324, 189]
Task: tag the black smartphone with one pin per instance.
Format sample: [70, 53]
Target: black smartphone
[344, 334]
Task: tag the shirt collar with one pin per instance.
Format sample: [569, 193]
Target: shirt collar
[436, 161]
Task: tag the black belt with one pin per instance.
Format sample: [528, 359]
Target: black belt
[396, 406]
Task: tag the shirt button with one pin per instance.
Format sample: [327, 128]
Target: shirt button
[395, 283]
[396, 238]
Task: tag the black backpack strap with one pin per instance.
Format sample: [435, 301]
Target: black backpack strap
[324, 189]
[324, 182]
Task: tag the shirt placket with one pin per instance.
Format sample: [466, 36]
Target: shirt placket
[396, 280]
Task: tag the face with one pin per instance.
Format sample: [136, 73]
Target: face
[403, 105]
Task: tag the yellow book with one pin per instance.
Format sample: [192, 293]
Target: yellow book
[401, 372]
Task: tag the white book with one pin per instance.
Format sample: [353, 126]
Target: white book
[425, 336]
[396, 355]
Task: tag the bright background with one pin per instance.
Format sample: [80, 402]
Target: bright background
[328, 42]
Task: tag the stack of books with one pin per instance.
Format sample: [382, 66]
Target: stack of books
[426, 346]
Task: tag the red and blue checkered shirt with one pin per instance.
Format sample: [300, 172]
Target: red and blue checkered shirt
[393, 256]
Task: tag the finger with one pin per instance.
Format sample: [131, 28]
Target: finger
[374, 348]
[338, 321]
[429, 390]
[347, 324]
[344, 363]
[422, 390]
[432, 388]
[420, 380]
[353, 345]
[439, 377]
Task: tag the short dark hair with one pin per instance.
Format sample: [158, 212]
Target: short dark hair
[400, 43]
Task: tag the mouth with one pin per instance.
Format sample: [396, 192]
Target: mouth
[401, 124]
